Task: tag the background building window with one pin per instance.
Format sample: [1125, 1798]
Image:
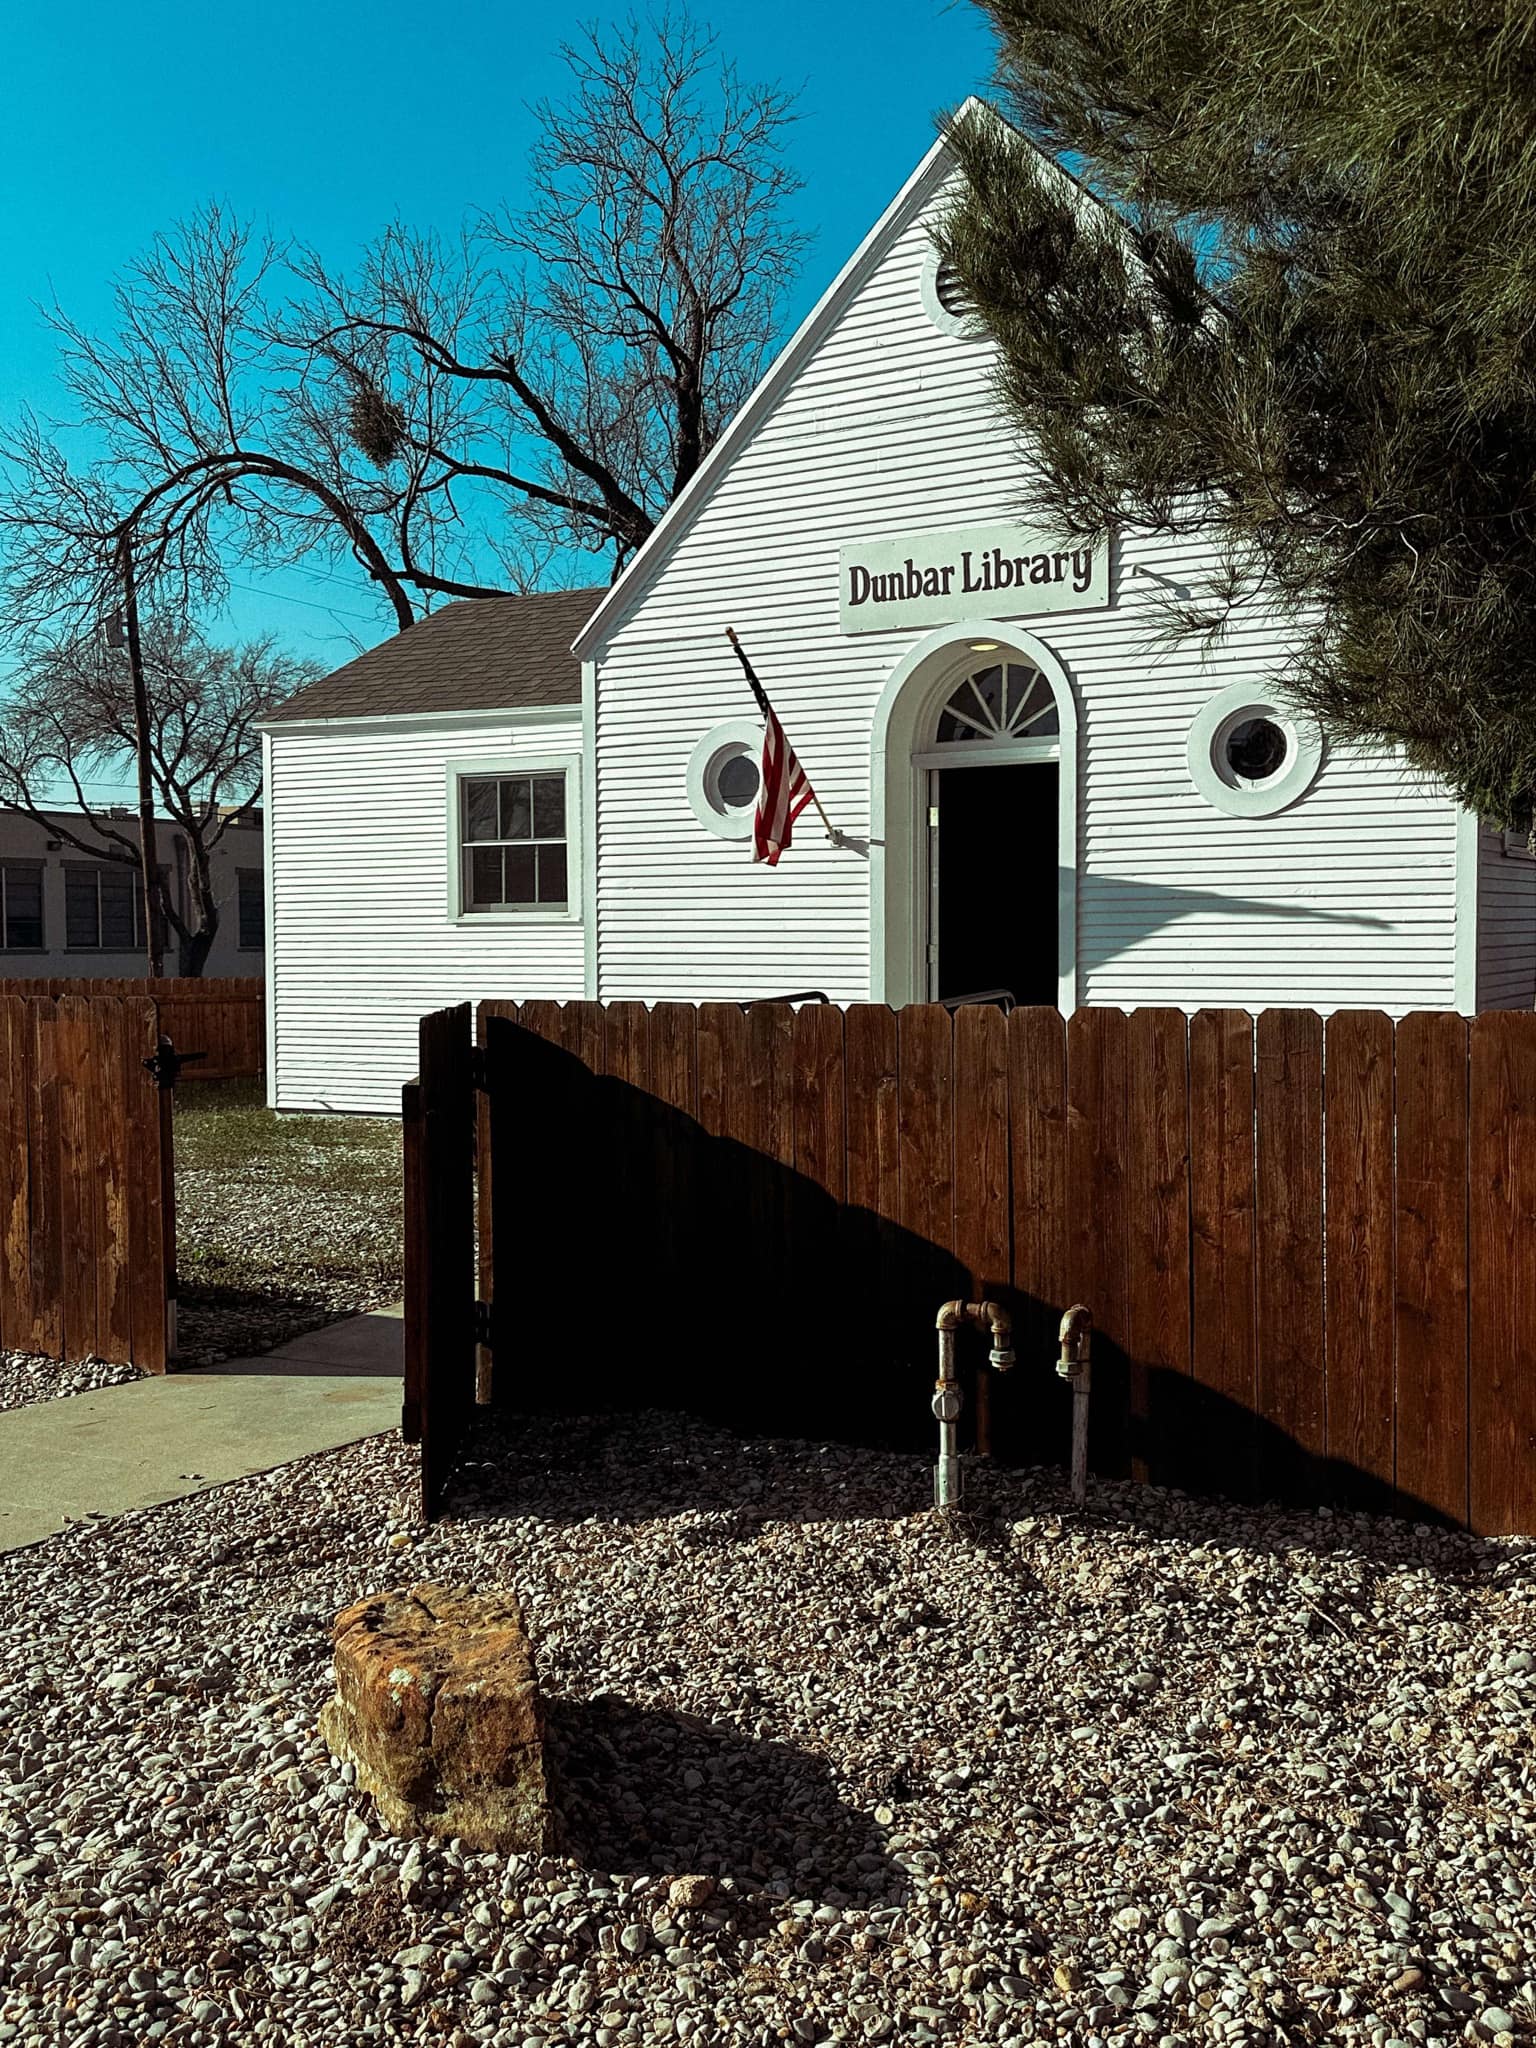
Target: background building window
[21, 906]
[252, 909]
[103, 908]
[512, 842]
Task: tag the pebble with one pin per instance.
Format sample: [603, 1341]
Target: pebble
[924, 1800]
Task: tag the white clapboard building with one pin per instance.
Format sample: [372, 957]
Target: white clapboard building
[1032, 788]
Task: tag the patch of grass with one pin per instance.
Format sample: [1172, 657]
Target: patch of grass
[225, 1127]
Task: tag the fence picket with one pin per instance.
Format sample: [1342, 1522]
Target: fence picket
[1218, 1452]
[43, 1165]
[71, 1028]
[1038, 1427]
[1358, 1111]
[1288, 1193]
[1157, 1237]
[1502, 1260]
[982, 1234]
[1431, 1314]
[1097, 1264]
[872, 1122]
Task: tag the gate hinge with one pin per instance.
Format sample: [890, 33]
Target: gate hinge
[483, 1323]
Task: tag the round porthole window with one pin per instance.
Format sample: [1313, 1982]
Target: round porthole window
[946, 301]
[1251, 757]
[724, 777]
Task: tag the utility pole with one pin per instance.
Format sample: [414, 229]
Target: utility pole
[149, 867]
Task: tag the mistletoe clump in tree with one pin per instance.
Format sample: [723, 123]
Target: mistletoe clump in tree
[453, 416]
[1288, 299]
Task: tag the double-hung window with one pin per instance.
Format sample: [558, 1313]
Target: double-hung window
[21, 906]
[103, 907]
[516, 832]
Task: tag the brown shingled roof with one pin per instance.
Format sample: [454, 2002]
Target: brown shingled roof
[479, 654]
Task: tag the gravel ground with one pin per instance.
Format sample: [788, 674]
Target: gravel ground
[25, 1378]
[1164, 1773]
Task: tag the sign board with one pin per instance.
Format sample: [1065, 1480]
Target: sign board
[985, 572]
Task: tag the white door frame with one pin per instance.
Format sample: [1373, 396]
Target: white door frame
[902, 752]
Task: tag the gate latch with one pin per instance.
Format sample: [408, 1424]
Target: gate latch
[166, 1063]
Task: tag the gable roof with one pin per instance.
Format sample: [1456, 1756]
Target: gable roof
[477, 654]
[673, 524]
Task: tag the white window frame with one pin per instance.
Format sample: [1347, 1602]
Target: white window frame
[502, 765]
[1276, 793]
[735, 736]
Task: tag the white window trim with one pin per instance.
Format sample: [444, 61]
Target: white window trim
[1257, 799]
[567, 764]
[961, 326]
[745, 735]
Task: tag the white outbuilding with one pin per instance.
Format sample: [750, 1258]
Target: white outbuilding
[1033, 789]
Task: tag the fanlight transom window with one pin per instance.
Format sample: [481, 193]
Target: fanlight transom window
[1006, 703]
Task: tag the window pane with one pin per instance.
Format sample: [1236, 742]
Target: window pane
[549, 806]
[738, 782]
[253, 891]
[552, 872]
[80, 922]
[120, 929]
[516, 808]
[23, 907]
[485, 875]
[520, 874]
[480, 810]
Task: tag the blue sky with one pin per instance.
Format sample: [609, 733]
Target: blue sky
[324, 122]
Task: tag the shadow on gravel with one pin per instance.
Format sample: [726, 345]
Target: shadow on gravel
[649, 1793]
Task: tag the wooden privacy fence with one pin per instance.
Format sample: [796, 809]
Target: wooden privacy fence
[87, 1220]
[1307, 1246]
[223, 1018]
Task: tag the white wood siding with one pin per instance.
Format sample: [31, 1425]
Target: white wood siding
[1506, 925]
[362, 944]
[889, 429]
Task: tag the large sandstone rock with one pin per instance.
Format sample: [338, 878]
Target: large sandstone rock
[437, 1705]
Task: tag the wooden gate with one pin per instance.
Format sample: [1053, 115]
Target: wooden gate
[87, 1208]
[1309, 1247]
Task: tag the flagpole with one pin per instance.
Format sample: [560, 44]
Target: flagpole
[766, 708]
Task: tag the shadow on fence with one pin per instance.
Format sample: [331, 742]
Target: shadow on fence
[755, 1216]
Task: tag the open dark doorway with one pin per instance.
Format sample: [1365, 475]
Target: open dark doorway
[993, 839]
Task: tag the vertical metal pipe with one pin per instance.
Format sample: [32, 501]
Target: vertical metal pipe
[1081, 1382]
[946, 1407]
[1076, 1368]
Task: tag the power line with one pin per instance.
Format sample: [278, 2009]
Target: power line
[314, 604]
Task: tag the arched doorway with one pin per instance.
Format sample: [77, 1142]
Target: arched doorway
[974, 860]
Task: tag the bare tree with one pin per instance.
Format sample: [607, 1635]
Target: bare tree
[453, 414]
[70, 716]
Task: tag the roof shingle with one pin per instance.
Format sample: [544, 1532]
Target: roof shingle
[478, 654]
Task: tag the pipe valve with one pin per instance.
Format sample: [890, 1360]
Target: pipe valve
[946, 1401]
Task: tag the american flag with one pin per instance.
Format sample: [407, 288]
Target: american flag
[784, 790]
[782, 795]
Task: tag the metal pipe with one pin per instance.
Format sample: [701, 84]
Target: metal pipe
[1075, 1366]
[947, 1399]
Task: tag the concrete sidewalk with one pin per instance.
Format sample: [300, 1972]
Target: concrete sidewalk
[158, 1439]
